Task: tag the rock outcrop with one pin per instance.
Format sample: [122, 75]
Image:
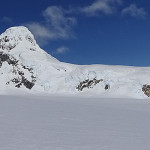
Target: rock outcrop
[18, 71]
[88, 84]
[146, 89]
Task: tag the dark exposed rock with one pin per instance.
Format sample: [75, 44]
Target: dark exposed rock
[15, 80]
[30, 39]
[107, 86]
[6, 58]
[26, 67]
[27, 83]
[3, 57]
[88, 84]
[146, 89]
[24, 81]
[32, 49]
[5, 45]
[21, 79]
[6, 39]
[21, 73]
[18, 85]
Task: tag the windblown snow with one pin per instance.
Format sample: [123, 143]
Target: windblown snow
[65, 123]
[25, 67]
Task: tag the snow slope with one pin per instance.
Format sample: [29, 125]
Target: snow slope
[55, 123]
[25, 67]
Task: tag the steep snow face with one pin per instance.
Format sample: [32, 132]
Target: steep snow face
[20, 58]
[20, 43]
[14, 36]
[24, 65]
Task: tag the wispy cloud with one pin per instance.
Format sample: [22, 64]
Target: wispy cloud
[134, 11]
[61, 50]
[57, 25]
[7, 20]
[106, 7]
[58, 22]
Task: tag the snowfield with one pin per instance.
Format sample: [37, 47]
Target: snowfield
[73, 123]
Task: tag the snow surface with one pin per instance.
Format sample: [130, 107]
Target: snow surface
[73, 123]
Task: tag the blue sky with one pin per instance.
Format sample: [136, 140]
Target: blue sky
[114, 32]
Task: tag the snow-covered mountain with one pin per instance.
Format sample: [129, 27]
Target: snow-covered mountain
[25, 66]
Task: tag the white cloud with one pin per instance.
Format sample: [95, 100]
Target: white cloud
[7, 20]
[57, 25]
[101, 6]
[134, 11]
[57, 19]
[58, 22]
[40, 31]
[61, 50]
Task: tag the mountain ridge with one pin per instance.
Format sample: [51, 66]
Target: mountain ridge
[24, 65]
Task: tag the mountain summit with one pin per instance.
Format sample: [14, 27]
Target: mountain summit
[24, 65]
[19, 41]
[19, 57]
